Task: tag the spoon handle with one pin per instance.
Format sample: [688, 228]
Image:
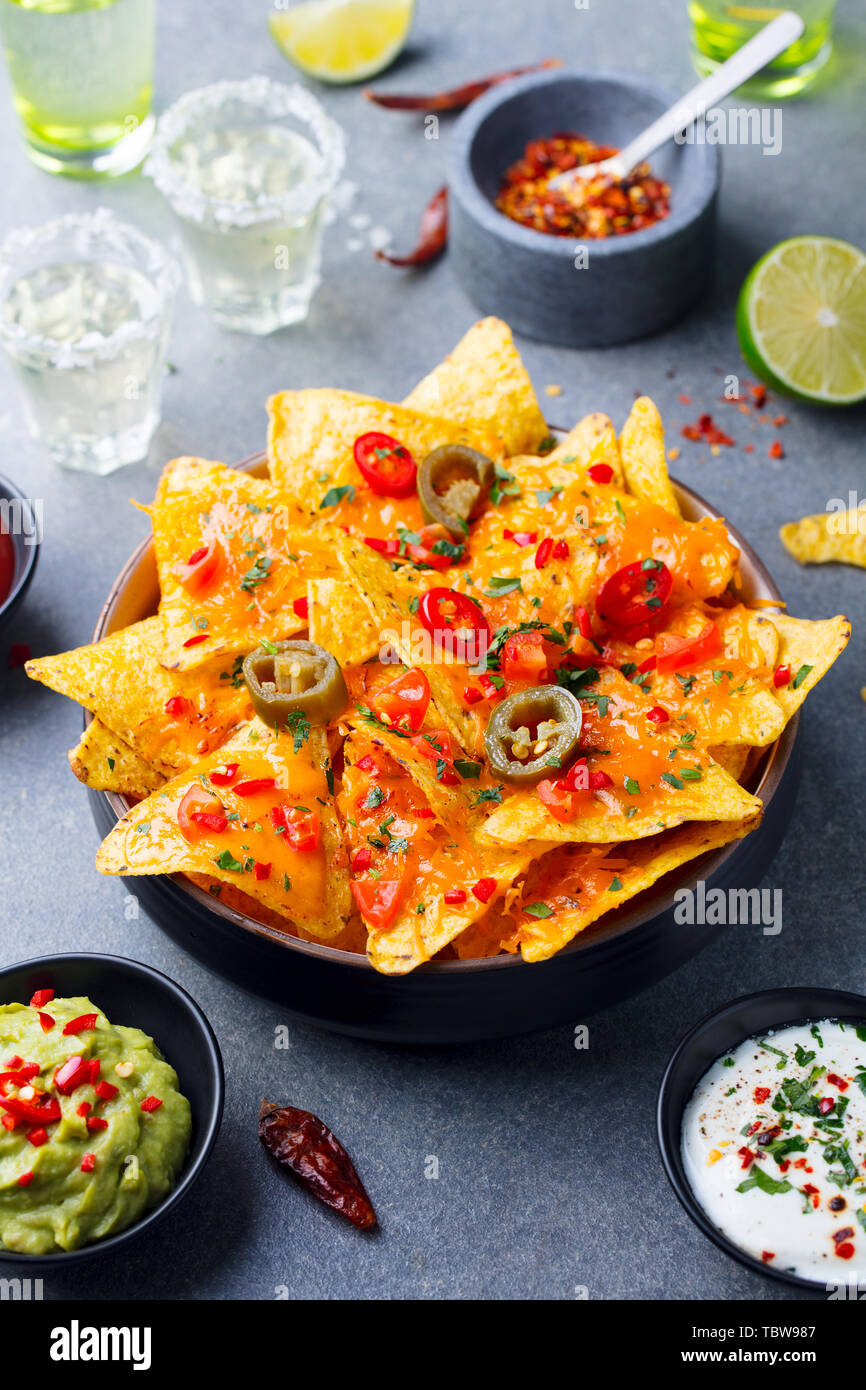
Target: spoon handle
[766, 45]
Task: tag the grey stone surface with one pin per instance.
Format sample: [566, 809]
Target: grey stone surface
[548, 1172]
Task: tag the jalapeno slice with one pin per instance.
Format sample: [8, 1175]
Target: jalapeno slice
[532, 731]
[294, 677]
[453, 481]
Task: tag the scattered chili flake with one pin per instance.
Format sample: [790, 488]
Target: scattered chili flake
[194, 641]
[150, 1103]
[780, 420]
[762, 1093]
[845, 1251]
[826, 1104]
[775, 450]
[686, 400]
[706, 431]
[767, 1256]
[590, 209]
[759, 395]
[837, 1081]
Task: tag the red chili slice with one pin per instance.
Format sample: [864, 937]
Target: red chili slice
[32, 1113]
[458, 623]
[176, 706]
[676, 652]
[254, 786]
[201, 568]
[472, 695]
[657, 715]
[71, 1074]
[194, 641]
[361, 859]
[404, 701]
[26, 1179]
[301, 608]
[600, 472]
[261, 872]
[524, 659]
[385, 464]
[46, 1022]
[94, 1122]
[42, 996]
[583, 622]
[200, 810]
[149, 1104]
[454, 896]
[302, 828]
[106, 1091]
[37, 1137]
[544, 552]
[88, 1163]
[636, 593]
[378, 900]
[781, 676]
[225, 778]
[484, 889]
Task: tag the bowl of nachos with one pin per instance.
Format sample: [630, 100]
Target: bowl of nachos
[418, 722]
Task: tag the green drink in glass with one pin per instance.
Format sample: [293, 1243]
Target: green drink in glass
[720, 27]
[82, 78]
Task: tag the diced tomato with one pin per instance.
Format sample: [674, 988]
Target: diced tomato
[676, 652]
[176, 706]
[261, 871]
[423, 813]
[454, 896]
[378, 900]
[41, 997]
[226, 777]
[404, 701]
[472, 695]
[301, 608]
[491, 691]
[600, 472]
[523, 659]
[302, 829]
[424, 552]
[254, 786]
[484, 889]
[200, 811]
[439, 750]
[361, 859]
[386, 465]
[555, 795]
[388, 548]
[202, 567]
[657, 715]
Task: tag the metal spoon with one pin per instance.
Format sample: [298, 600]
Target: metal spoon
[766, 45]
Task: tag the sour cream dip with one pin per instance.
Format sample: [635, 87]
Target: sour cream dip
[774, 1149]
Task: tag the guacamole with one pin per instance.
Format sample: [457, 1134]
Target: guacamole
[94, 1130]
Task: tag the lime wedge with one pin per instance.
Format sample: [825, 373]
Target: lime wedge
[342, 40]
[801, 319]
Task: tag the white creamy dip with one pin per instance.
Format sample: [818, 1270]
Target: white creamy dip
[784, 1117]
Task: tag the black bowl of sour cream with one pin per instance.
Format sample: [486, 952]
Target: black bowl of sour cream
[762, 1129]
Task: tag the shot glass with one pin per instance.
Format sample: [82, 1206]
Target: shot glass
[247, 168]
[719, 28]
[85, 312]
[82, 76]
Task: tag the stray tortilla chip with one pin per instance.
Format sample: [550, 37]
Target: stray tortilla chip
[103, 762]
[571, 887]
[808, 648]
[483, 382]
[340, 621]
[828, 537]
[669, 769]
[121, 681]
[308, 885]
[259, 571]
[644, 462]
[310, 453]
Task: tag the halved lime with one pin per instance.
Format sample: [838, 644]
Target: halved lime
[801, 319]
[342, 40]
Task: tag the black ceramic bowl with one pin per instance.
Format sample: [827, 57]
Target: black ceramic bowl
[632, 285]
[718, 1033]
[457, 1001]
[135, 996]
[18, 520]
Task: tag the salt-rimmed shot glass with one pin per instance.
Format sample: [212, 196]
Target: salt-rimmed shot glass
[85, 312]
[247, 168]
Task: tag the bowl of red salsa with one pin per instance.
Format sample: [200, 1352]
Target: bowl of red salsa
[622, 261]
[19, 547]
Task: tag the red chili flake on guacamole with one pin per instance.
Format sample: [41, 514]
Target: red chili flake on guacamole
[598, 207]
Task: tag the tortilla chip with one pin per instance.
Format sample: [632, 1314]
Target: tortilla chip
[828, 537]
[668, 794]
[592, 440]
[263, 575]
[484, 383]
[310, 450]
[644, 462]
[103, 762]
[809, 648]
[122, 682]
[733, 757]
[308, 886]
[340, 621]
[581, 884]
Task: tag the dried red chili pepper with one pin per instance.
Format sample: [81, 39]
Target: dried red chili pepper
[455, 98]
[432, 234]
[308, 1149]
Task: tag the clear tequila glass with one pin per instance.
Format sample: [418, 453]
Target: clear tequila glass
[247, 168]
[85, 311]
[82, 77]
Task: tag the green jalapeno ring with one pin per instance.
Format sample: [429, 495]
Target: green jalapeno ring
[538, 705]
[294, 677]
[452, 483]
